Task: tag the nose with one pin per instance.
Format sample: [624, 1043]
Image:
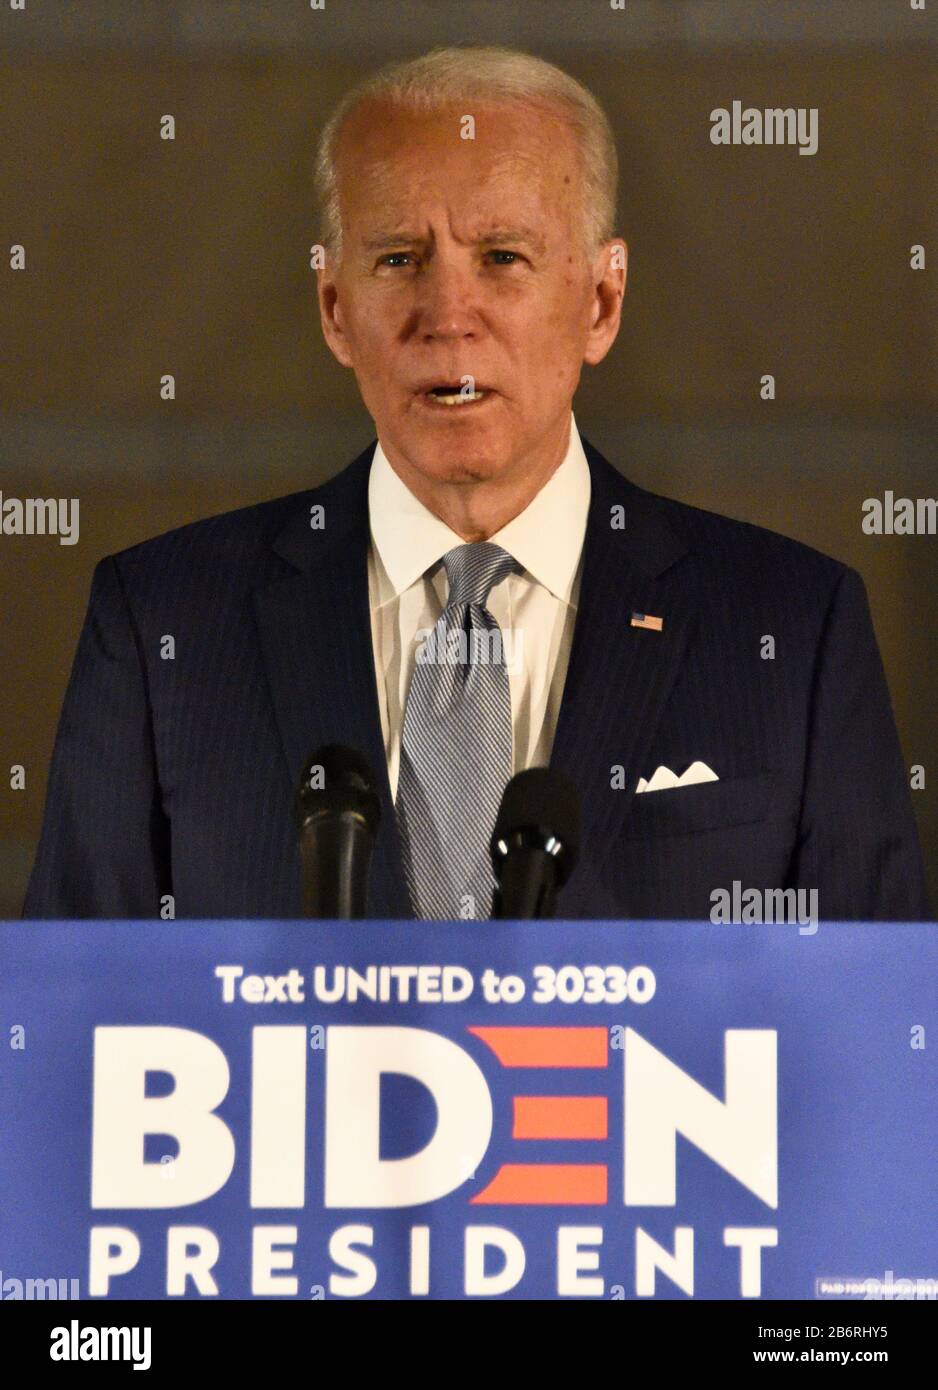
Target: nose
[446, 305]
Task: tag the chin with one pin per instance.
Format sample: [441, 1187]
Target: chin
[469, 468]
[444, 446]
[457, 460]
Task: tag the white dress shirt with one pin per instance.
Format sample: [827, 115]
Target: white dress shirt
[535, 609]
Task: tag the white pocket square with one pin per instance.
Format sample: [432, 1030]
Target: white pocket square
[663, 778]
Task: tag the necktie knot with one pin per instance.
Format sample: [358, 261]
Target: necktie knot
[474, 569]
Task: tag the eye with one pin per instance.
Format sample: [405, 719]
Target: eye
[393, 256]
[513, 256]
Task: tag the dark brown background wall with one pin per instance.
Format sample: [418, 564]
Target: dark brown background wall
[190, 257]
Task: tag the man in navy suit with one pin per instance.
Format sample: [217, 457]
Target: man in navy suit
[714, 690]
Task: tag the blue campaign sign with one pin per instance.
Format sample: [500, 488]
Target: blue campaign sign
[535, 1110]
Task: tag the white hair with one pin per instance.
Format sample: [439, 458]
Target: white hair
[478, 73]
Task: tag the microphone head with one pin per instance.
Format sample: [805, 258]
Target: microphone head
[335, 780]
[540, 807]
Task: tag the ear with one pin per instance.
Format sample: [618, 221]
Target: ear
[610, 269]
[330, 312]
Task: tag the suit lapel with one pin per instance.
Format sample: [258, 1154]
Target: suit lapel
[315, 633]
[619, 676]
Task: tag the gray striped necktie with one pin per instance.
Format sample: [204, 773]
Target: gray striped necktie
[456, 744]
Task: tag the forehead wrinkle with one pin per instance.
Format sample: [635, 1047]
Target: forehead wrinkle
[515, 181]
[473, 225]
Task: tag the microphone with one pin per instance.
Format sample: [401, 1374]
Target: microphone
[535, 842]
[338, 821]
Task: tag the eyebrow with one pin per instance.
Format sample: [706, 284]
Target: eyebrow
[513, 234]
[383, 241]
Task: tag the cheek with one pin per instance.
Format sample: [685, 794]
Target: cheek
[372, 345]
[560, 340]
[372, 319]
[367, 329]
[563, 314]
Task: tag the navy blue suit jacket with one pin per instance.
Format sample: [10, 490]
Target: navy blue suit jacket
[175, 777]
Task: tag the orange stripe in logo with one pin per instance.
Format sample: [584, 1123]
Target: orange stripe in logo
[560, 1117]
[547, 1047]
[546, 1184]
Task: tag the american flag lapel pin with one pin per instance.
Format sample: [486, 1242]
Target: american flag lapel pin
[648, 621]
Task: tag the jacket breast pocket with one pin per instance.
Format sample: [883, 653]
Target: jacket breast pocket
[705, 806]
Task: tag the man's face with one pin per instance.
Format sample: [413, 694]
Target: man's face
[464, 258]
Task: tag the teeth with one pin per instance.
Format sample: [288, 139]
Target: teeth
[457, 398]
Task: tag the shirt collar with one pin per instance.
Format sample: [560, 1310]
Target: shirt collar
[546, 538]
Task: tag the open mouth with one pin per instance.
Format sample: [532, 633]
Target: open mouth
[456, 396]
